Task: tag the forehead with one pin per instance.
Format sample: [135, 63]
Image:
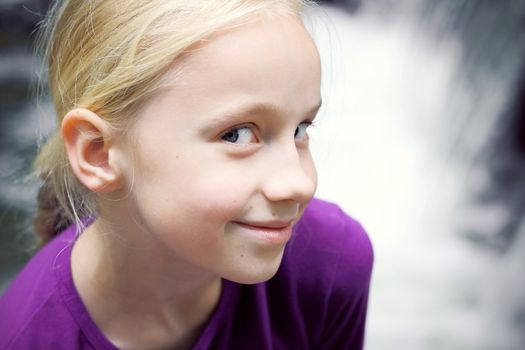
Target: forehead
[264, 60]
[246, 41]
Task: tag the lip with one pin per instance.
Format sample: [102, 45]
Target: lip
[276, 232]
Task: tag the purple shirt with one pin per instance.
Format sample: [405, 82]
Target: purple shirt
[317, 299]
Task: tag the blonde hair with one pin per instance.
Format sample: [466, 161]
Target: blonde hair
[109, 56]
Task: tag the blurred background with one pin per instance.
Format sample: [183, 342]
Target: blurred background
[421, 138]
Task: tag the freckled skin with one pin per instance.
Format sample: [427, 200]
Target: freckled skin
[188, 201]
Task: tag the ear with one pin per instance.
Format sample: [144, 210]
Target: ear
[87, 138]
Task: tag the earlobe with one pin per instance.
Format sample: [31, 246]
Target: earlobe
[87, 139]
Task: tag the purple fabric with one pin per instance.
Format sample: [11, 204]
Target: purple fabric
[317, 299]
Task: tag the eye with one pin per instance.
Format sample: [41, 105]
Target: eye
[239, 135]
[301, 131]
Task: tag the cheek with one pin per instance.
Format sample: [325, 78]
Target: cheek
[221, 196]
[192, 196]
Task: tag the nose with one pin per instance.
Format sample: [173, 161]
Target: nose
[291, 176]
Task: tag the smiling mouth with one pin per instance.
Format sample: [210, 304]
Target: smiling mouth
[276, 232]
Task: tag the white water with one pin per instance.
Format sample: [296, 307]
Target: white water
[392, 101]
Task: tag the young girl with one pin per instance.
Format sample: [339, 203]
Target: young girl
[181, 164]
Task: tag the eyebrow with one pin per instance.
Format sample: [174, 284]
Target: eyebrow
[258, 109]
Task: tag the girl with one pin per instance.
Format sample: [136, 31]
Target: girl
[181, 164]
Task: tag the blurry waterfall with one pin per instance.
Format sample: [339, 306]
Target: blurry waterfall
[422, 140]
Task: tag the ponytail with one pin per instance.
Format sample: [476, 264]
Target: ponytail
[50, 218]
[52, 214]
[62, 200]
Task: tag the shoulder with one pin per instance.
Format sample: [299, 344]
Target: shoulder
[32, 312]
[336, 243]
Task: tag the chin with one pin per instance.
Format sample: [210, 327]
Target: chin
[253, 278]
[254, 273]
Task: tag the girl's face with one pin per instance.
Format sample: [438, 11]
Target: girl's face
[224, 151]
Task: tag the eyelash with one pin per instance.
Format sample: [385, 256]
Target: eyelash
[308, 123]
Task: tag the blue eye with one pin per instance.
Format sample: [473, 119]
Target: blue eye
[301, 131]
[239, 135]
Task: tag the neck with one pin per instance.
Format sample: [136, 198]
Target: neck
[131, 285]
